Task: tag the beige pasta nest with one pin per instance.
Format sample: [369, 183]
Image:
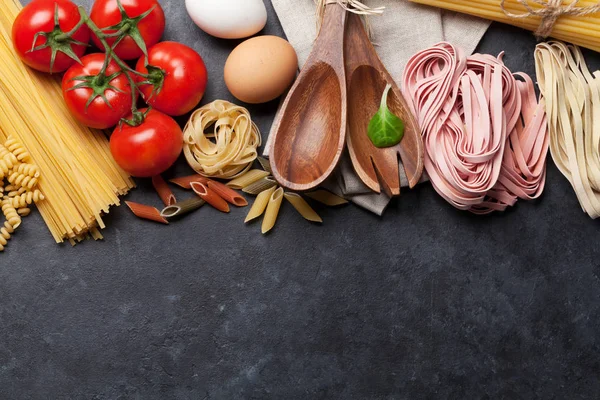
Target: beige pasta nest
[221, 141]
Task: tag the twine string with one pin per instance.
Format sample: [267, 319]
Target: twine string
[550, 12]
[353, 6]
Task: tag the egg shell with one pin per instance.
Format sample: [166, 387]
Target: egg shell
[261, 69]
[228, 19]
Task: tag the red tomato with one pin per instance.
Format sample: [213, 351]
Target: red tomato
[178, 75]
[99, 114]
[38, 16]
[147, 149]
[147, 30]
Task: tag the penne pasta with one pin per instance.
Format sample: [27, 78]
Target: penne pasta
[163, 190]
[260, 204]
[265, 164]
[186, 181]
[303, 207]
[260, 186]
[146, 212]
[327, 198]
[227, 194]
[248, 178]
[182, 208]
[210, 197]
[272, 210]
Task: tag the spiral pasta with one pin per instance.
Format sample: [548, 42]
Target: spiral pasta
[15, 192]
[17, 148]
[7, 161]
[229, 149]
[10, 213]
[22, 180]
[9, 158]
[20, 191]
[31, 170]
[5, 234]
[27, 198]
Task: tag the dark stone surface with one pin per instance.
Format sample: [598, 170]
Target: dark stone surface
[426, 302]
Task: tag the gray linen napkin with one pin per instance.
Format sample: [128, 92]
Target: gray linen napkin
[404, 29]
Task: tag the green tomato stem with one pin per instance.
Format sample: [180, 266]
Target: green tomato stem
[69, 34]
[111, 54]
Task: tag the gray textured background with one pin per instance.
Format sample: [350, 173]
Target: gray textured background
[426, 302]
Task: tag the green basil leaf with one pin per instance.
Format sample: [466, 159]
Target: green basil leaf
[385, 129]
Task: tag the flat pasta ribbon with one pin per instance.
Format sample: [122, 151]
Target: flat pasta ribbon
[572, 96]
[485, 138]
[221, 141]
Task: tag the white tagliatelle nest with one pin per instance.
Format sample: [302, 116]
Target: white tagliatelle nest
[221, 141]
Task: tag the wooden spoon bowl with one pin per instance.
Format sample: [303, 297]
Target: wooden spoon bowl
[308, 144]
[311, 131]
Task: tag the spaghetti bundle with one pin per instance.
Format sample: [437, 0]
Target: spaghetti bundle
[575, 26]
[79, 178]
[572, 96]
[485, 134]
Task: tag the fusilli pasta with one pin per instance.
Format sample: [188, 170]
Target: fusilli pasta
[17, 148]
[22, 180]
[31, 170]
[27, 198]
[5, 233]
[10, 213]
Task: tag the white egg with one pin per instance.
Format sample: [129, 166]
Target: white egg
[228, 19]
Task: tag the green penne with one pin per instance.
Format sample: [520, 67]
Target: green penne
[260, 186]
[182, 208]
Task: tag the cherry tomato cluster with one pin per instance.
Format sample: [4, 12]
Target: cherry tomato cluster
[101, 89]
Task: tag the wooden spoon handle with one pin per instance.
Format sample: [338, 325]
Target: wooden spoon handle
[329, 45]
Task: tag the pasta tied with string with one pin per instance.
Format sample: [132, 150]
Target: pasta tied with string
[221, 141]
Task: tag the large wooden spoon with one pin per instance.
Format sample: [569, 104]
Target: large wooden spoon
[311, 131]
[367, 78]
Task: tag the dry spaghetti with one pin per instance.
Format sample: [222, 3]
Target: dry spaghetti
[80, 180]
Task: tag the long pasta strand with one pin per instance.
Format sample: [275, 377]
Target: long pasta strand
[581, 30]
[80, 179]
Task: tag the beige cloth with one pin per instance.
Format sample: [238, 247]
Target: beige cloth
[404, 29]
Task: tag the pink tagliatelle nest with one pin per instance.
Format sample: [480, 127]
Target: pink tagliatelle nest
[485, 133]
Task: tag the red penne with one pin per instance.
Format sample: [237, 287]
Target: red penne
[186, 181]
[146, 212]
[227, 194]
[163, 190]
[210, 196]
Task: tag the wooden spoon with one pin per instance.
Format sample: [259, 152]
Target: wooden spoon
[367, 78]
[311, 131]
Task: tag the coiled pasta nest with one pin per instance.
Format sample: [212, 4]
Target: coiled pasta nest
[221, 141]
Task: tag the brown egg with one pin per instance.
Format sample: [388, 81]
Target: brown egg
[261, 69]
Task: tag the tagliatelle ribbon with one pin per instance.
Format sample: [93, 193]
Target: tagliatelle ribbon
[485, 135]
[572, 96]
[220, 140]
